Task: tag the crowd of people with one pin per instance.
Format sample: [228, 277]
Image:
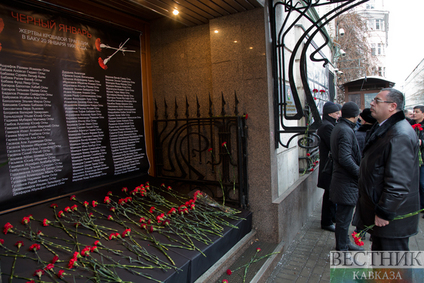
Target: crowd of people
[372, 170]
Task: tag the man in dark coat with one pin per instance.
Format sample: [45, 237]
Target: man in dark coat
[389, 177]
[344, 182]
[331, 112]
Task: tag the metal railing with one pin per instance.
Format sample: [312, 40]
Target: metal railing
[204, 151]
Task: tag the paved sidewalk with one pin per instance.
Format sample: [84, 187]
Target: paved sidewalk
[307, 258]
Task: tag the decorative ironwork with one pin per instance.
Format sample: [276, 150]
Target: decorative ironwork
[207, 151]
[279, 33]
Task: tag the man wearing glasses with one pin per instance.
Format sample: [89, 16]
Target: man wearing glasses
[388, 176]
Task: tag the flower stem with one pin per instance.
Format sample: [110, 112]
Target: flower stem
[13, 266]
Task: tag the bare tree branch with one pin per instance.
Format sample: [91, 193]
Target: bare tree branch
[358, 60]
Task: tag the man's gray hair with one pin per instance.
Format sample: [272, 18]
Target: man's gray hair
[395, 96]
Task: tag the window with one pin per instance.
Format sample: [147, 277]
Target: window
[368, 97]
[379, 24]
[355, 97]
[373, 49]
[370, 4]
[380, 49]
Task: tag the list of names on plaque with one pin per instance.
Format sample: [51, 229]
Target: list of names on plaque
[83, 113]
[28, 125]
[125, 140]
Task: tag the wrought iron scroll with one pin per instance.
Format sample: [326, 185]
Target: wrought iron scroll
[300, 10]
[204, 151]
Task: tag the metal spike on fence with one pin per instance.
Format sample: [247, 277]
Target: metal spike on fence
[210, 105]
[187, 106]
[176, 109]
[236, 104]
[166, 109]
[223, 104]
[198, 107]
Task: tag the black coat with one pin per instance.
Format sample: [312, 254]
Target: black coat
[346, 159]
[324, 133]
[361, 134]
[389, 178]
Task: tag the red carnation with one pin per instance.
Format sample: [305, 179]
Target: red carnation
[7, 227]
[61, 273]
[34, 247]
[55, 258]
[71, 263]
[25, 220]
[417, 127]
[126, 233]
[39, 273]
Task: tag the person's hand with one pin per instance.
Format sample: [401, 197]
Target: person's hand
[380, 222]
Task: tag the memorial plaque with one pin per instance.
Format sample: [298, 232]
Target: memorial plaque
[71, 104]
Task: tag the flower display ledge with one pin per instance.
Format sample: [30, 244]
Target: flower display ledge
[189, 264]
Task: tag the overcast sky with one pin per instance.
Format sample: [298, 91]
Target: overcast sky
[406, 38]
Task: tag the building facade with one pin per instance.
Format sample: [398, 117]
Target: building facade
[377, 18]
[414, 88]
[274, 55]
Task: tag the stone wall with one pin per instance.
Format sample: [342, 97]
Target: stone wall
[232, 54]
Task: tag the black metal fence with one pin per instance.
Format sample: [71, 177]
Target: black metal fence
[204, 151]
